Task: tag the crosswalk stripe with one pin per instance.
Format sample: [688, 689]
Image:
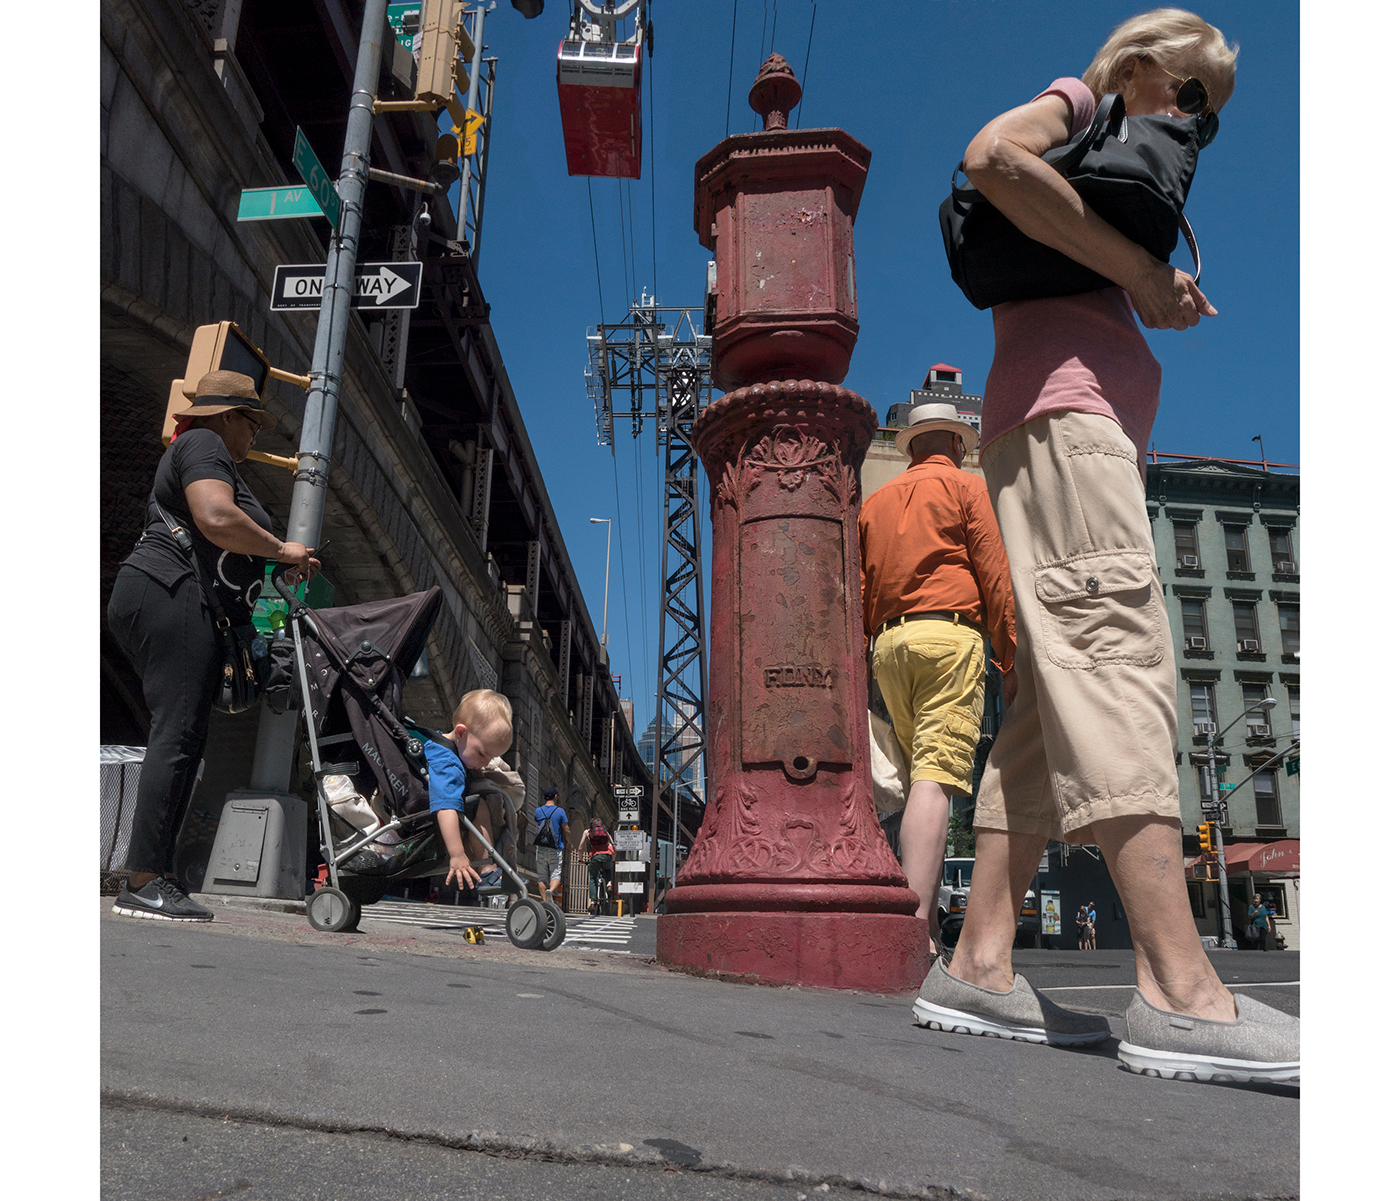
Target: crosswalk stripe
[606, 932]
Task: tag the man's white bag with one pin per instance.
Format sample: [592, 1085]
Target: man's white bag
[887, 767]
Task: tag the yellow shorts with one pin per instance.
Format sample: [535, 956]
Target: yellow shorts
[931, 677]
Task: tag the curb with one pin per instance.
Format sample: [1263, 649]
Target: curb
[213, 900]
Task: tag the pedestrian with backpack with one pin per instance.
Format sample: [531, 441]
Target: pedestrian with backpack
[550, 840]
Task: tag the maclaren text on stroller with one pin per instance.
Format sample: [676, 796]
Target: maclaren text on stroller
[349, 667]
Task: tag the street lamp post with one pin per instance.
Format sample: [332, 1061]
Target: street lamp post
[1227, 939]
[607, 571]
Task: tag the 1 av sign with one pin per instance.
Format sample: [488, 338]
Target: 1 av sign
[377, 285]
[276, 204]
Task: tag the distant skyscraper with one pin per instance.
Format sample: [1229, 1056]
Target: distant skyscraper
[692, 776]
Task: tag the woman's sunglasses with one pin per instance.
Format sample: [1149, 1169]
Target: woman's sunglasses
[1193, 100]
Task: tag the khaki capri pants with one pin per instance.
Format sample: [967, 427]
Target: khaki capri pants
[1091, 734]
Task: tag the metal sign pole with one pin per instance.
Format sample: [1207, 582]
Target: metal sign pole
[276, 745]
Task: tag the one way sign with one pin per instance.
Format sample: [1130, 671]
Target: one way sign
[377, 285]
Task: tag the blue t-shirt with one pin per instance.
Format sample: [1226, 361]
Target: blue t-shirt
[556, 817]
[447, 778]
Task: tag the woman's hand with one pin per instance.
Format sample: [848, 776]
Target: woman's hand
[304, 564]
[1167, 298]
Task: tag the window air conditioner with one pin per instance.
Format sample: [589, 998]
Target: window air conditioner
[1196, 643]
[1248, 644]
[1286, 568]
[1205, 727]
[1191, 561]
[1258, 731]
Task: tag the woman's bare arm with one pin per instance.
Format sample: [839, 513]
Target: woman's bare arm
[229, 528]
[1003, 162]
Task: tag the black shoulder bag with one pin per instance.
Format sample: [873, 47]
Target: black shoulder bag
[1134, 172]
[239, 683]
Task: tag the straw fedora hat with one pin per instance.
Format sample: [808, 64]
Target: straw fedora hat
[220, 391]
[925, 419]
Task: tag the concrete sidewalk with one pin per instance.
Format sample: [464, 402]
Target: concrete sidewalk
[606, 1058]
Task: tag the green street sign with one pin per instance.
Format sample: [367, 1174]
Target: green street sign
[396, 14]
[1227, 787]
[317, 178]
[1290, 767]
[273, 204]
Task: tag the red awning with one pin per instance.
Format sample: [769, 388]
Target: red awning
[1259, 856]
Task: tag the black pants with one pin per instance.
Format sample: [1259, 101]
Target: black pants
[169, 638]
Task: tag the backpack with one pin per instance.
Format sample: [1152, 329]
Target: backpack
[544, 836]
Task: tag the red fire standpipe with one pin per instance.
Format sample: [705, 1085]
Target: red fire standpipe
[791, 880]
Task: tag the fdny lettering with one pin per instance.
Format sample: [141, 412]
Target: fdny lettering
[789, 676]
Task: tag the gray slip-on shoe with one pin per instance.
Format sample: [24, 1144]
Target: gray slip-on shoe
[947, 1003]
[1259, 1047]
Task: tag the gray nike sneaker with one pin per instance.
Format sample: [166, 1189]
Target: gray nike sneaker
[1259, 1047]
[947, 1003]
[161, 899]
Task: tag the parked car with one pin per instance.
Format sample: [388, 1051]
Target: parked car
[952, 904]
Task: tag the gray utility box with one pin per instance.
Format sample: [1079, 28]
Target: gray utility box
[260, 849]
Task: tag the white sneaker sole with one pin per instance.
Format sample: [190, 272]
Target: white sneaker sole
[1205, 1069]
[159, 917]
[956, 1021]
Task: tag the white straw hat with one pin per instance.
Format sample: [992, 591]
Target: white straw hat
[925, 419]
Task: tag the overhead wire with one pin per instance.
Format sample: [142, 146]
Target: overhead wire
[798, 123]
[729, 95]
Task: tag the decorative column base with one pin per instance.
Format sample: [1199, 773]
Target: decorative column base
[791, 879]
[873, 952]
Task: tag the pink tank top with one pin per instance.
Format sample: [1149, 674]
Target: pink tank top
[1072, 354]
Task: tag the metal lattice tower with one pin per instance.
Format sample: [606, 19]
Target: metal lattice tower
[642, 369]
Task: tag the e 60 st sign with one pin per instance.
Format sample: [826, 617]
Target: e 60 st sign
[377, 285]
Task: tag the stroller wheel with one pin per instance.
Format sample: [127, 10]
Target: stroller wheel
[525, 924]
[331, 911]
[555, 927]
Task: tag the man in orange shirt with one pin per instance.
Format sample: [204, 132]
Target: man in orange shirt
[934, 587]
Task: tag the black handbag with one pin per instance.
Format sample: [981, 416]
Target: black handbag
[239, 681]
[1134, 172]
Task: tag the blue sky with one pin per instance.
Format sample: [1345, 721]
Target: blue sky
[913, 81]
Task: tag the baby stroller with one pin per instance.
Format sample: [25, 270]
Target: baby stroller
[346, 669]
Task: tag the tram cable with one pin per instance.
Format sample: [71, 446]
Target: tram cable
[729, 95]
[798, 123]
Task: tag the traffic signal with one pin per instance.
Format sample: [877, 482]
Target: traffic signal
[218, 347]
[441, 74]
[1203, 838]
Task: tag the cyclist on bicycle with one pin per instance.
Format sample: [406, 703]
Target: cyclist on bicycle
[601, 855]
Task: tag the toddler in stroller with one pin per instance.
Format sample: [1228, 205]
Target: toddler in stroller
[415, 814]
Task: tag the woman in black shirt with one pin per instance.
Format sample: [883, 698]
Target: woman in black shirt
[161, 620]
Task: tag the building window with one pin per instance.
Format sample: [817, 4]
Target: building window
[1281, 548]
[1293, 706]
[1246, 626]
[1236, 548]
[1257, 722]
[1193, 622]
[1288, 627]
[1275, 895]
[1266, 812]
[1202, 705]
[1187, 552]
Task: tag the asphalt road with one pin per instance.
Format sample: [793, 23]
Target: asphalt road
[403, 1048]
